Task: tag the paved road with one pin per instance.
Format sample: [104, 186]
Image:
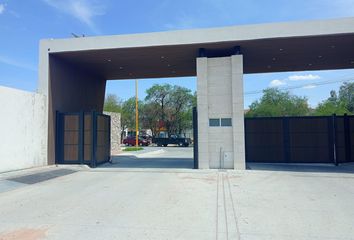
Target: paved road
[155, 157]
[114, 203]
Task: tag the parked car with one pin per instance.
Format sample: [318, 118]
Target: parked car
[148, 138]
[174, 139]
[130, 141]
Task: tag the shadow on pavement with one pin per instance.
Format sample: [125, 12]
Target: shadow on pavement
[321, 168]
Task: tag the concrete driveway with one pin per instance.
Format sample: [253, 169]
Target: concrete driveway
[154, 157]
[113, 203]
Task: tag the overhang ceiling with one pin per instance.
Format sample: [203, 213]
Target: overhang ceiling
[260, 56]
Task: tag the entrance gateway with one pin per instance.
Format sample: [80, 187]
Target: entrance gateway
[73, 72]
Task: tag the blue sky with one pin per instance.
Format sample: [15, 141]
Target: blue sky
[24, 23]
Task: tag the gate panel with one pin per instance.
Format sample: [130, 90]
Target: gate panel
[264, 140]
[340, 139]
[87, 138]
[323, 139]
[71, 138]
[310, 140]
[103, 138]
[83, 138]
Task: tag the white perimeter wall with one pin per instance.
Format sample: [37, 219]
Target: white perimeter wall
[23, 129]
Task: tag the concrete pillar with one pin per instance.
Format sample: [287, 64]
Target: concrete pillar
[202, 101]
[220, 97]
[238, 124]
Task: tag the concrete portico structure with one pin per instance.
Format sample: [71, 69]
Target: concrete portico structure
[73, 72]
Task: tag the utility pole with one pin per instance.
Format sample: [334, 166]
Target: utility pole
[136, 114]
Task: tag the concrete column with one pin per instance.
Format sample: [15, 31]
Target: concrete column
[220, 96]
[202, 101]
[238, 112]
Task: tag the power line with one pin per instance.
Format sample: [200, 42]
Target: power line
[304, 85]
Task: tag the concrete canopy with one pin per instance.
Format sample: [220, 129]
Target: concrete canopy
[297, 46]
[73, 72]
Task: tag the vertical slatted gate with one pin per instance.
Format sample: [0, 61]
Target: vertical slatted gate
[324, 139]
[83, 138]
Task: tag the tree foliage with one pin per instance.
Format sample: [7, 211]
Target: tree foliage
[112, 103]
[346, 96]
[172, 107]
[128, 113]
[275, 102]
[327, 108]
[180, 110]
[164, 106]
[344, 103]
[150, 117]
[160, 95]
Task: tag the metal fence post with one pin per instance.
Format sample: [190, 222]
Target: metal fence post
[94, 138]
[347, 139]
[81, 137]
[334, 139]
[109, 139]
[58, 144]
[245, 139]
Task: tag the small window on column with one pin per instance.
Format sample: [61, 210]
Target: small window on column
[226, 122]
[214, 122]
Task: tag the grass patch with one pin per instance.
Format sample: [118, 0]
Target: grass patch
[132, 149]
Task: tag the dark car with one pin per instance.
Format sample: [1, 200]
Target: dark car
[130, 141]
[174, 139]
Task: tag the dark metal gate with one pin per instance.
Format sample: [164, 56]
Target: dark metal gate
[324, 139]
[83, 138]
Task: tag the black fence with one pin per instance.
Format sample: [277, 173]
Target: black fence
[300, 139]
[83, 138]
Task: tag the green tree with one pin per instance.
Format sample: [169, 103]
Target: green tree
[159, 94]
[171, 105]
[194, 99]
[276, 102]
[112, 103]
[128, 112]
[180, 106]
[327, 108]
[344, 103]
[150, 117]
[346, 96]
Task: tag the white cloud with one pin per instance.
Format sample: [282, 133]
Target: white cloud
[277, 83]
[303, 77]
[2, 8]
[310, 86]
[83, 10]
[12, 62]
